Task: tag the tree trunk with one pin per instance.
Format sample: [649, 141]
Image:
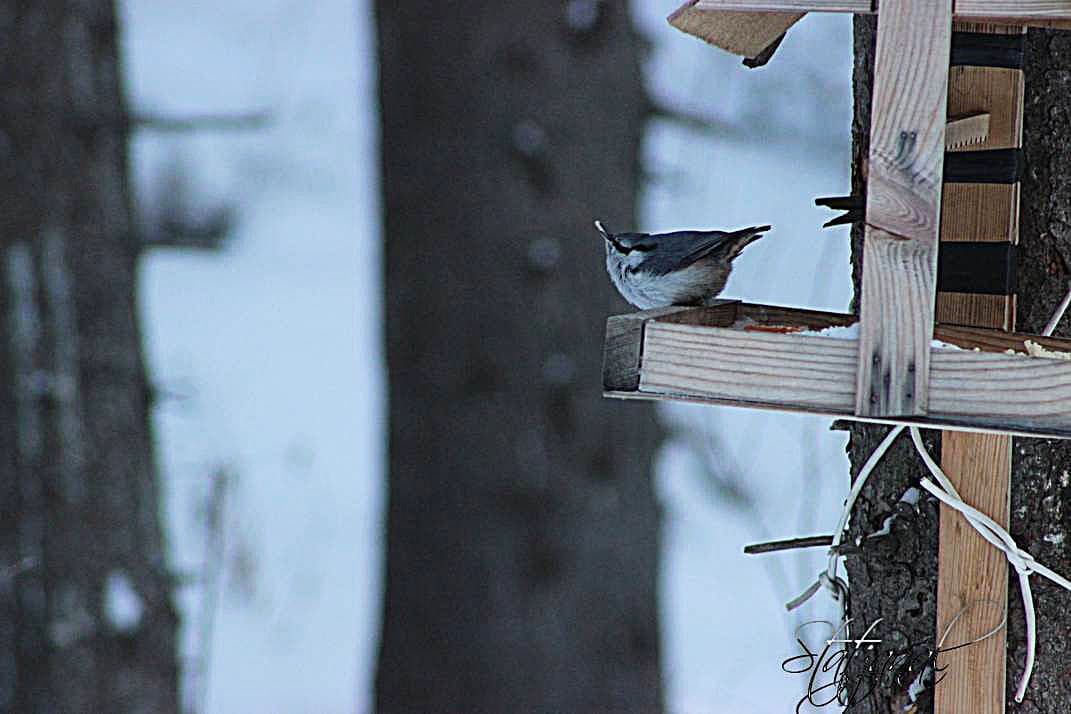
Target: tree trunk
[522, 532]
[897, 579]
[87, 618]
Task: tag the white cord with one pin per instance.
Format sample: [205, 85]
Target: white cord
[1023, 562]
[829, 578]
[1050, 327]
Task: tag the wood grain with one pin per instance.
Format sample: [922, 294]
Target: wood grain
[979, 212]
[817, 374]
[972, 583]
[742, 33]
[970, 308]
[1009, 9]
[1053, 14]
[623, 347]
[907, 134]
[855, 6]
[896, 319]
[995, 341]
[903, 199]
[966, 130]
[972, 580]
[806, 372]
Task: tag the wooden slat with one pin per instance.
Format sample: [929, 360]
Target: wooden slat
[855, 6]
[972, 583]
[968, 308]
[965, 131]
[1024, 9]
[979, 212]
[811, 319]
[1053, 14]
[742, 33]
[624, 338]
[972, 580]
[750, 367]
[903, 200]
[817, 374]
[994, 341]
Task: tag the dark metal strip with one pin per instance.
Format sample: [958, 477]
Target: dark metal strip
[980, 49]
[992, 166]
[986, 268]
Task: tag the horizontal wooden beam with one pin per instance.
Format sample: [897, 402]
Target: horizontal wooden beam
[1043, 13]
[742, 33]
[764, 362]
[854, 6]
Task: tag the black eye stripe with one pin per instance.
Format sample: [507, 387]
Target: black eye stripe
[628, 249]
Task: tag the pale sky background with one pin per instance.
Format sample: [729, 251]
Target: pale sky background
[272, 349]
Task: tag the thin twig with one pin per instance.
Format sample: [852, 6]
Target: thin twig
[792, 543]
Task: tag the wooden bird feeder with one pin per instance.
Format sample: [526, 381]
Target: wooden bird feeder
[937, 61]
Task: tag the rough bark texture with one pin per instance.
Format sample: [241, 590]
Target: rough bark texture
[522, 531]
[1041, 485]
[896, 578]
[78, 487]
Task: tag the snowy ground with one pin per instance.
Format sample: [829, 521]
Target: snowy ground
[272, 349]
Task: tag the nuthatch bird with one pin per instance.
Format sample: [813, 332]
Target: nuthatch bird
[680, 268]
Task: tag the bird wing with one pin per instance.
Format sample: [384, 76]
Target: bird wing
[682, 248]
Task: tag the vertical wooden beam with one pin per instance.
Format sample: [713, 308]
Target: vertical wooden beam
[903, 202]
[972, 582]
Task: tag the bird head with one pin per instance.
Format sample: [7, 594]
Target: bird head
[607, 238]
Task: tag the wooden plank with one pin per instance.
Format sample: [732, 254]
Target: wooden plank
[810, 319]
[750, 366]
[972, 583]
[741, 33]
[816, 374]
[967, 308]
[995, 341]
[1040, 13]
[1010, 9]
[624, 338]
[855, 6]
[978, 212]
[751, 317]
[903, 200]
[966, 130]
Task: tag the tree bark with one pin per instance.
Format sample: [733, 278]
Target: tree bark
[522, 532]
[897, 578]
[85, 603]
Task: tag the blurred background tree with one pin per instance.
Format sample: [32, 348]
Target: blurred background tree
[522, 534]
[87, 617]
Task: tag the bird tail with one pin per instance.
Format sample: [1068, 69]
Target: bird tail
[736, 241]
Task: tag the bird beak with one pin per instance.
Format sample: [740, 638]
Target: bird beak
[598, 225]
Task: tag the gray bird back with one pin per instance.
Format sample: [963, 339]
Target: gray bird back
[665, 253]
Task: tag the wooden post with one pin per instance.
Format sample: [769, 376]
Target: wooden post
[903, 202]
[972, 581]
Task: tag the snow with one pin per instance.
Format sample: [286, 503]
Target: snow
[272, 445]
[123, 606]
[849, 332]
[271, 348]
[725, 628]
